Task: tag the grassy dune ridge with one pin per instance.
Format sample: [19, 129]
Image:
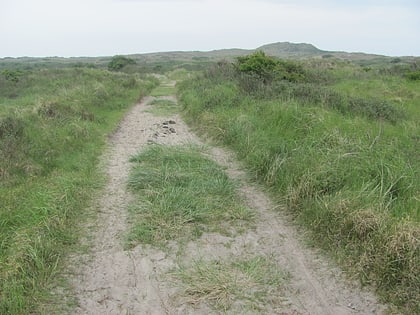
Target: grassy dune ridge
[338, 145]
[53, 127]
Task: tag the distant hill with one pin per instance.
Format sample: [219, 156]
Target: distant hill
[281, 50]
[291, 50]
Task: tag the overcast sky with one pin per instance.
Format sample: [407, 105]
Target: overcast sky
[109, 27]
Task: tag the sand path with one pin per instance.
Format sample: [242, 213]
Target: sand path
[112, 280]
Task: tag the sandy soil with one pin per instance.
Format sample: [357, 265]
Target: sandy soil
[112, 280]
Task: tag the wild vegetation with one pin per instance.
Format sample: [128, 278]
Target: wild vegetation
[335, 142]
[53, 125]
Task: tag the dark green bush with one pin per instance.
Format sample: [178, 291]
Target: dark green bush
[119, 62]
[258, 64]
[413, 76]
[270, 69]
[11, 75]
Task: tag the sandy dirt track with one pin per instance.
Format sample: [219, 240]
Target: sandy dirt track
[112, 280]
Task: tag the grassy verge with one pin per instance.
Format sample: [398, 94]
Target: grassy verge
[179, 195]
[255, 283]
[53, 126]
[344, 160]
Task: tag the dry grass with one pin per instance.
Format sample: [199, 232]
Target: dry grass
[241, 285]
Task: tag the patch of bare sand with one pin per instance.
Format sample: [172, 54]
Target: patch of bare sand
[111, 280]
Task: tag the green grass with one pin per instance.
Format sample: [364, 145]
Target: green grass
[343, 157]
[163, 107]
[179, 74]
[180, 194]
[241, 285]
[53, 127]
[163, 90]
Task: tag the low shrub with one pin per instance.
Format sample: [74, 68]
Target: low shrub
[12, 75]
[119, 62]
[413, 76]
[269, 69]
